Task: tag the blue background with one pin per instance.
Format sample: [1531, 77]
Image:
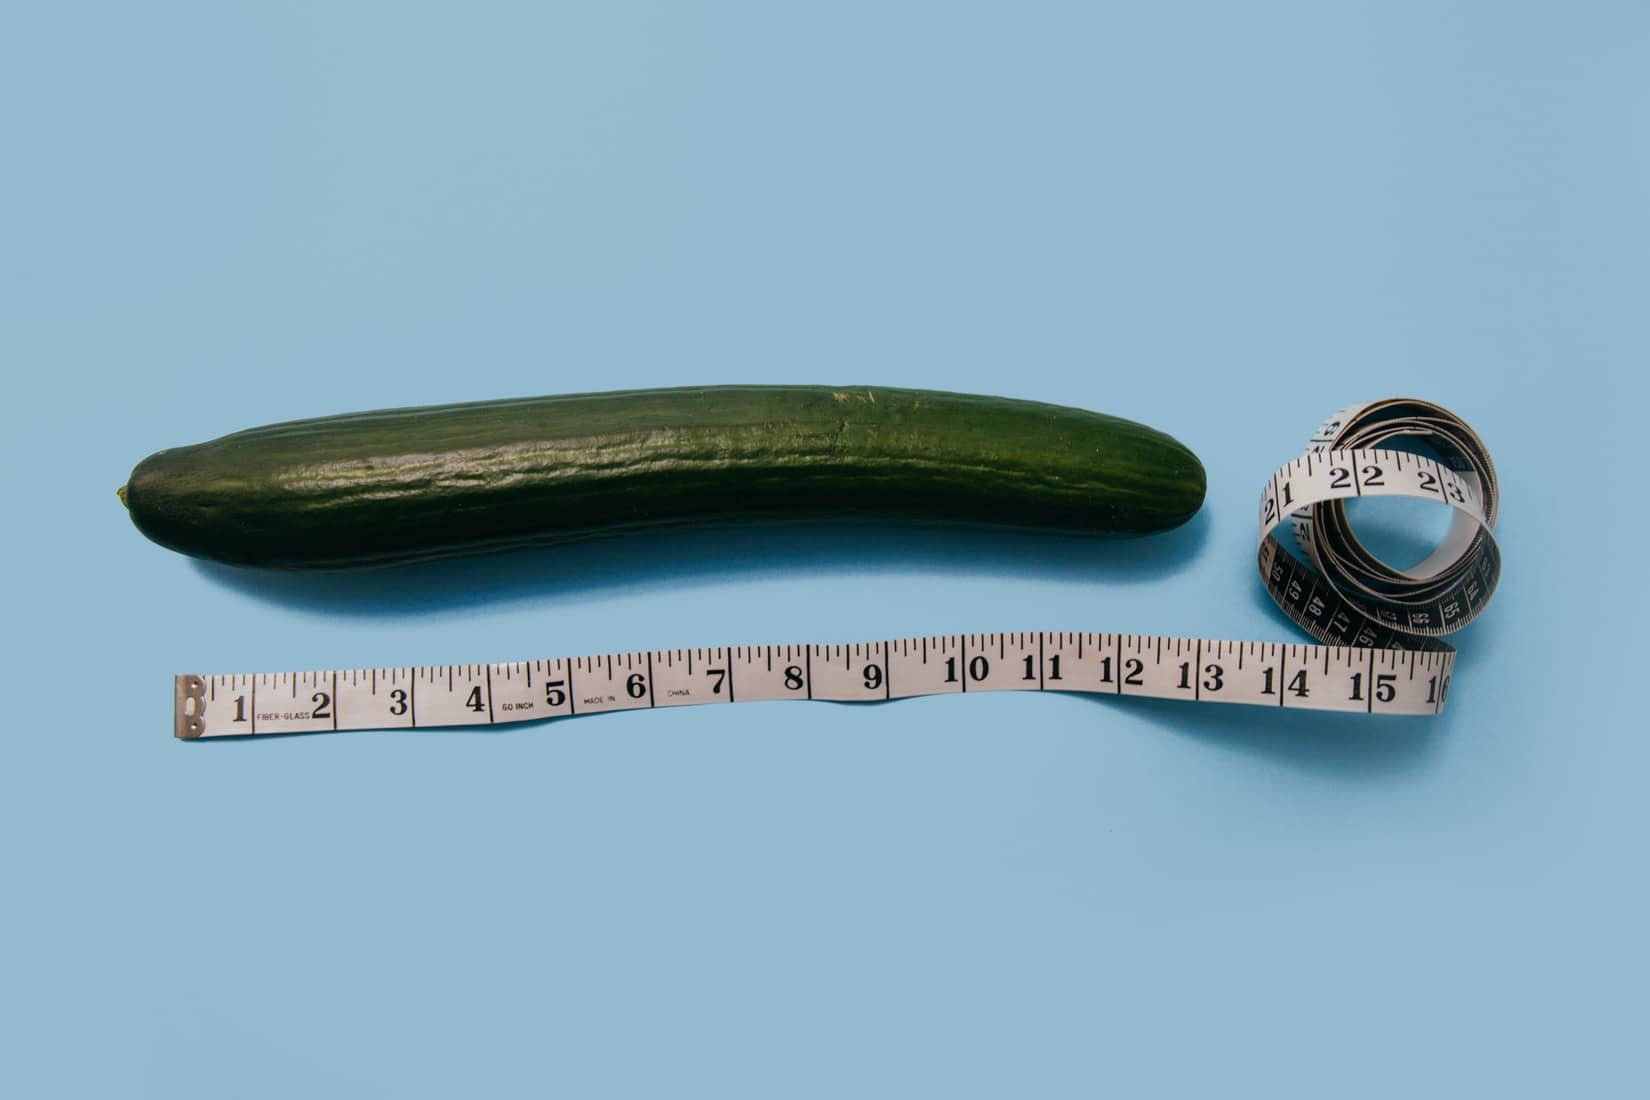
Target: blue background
[1224, 220]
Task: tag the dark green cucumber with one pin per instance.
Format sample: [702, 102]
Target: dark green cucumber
[406, 485]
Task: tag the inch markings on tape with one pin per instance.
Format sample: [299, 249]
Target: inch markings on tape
[1375, 627]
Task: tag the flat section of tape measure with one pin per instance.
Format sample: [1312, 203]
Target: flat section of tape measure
[1377, 627]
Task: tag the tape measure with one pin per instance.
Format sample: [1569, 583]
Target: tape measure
[1377, 627]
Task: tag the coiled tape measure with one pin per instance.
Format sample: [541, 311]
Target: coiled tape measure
[1377, 627]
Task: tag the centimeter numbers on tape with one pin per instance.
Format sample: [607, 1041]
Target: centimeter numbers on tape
[1343, 678]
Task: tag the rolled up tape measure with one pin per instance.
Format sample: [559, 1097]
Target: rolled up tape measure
[1377, 626]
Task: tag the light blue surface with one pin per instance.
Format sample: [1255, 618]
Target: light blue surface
[1224, 220]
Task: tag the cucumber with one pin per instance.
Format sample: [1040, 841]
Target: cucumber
[406, 485]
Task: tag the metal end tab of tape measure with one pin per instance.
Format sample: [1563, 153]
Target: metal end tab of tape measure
[1378, 626]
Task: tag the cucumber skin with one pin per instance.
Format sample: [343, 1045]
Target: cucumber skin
[400, 486]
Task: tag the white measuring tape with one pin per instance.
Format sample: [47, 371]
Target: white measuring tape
[1378, 627]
